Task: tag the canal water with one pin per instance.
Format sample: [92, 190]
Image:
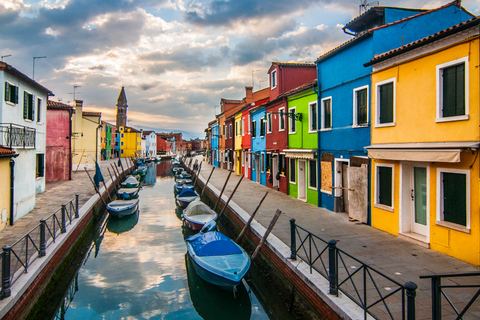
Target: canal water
[137, 268]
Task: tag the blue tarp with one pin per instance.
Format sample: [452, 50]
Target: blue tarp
[187, 192]
[213, 244]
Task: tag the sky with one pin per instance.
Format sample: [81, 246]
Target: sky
[175, 58]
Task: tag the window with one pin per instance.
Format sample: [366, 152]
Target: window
[121, 135]
[249, 125]
[360, 106]
[40, 165]
[326, 113]
[452, 91]
[231, 131]
[273, 79]
[243, 126]
[28, 106]
[312, 116]
[269, 162]
[281, 119]
[39, 110]
[121, 143]
[312, 174]
[282, 166]
[385, 102]
[262, 127]
[453, 194]
[384, 185]
[292, 170]
[11, 93]
[254, 128]
[269, 119]
[291, 121]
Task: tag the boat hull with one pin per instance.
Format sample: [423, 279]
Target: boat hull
[122, 208]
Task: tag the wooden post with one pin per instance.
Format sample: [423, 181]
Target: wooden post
[205, 185]
[223, 189]
[197, 173]
[247, 225]
[119, 174]
[267, 233]
[115, 181]
[95, 186]
[231, 196]
[106, 190]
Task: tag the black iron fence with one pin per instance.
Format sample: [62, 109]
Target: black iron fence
[17, 258]
[379, 296]
[13, 135]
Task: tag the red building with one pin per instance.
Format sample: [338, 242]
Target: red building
[58, 163]
[283, 78]
[161, 145]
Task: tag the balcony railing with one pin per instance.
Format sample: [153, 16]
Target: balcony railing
[16, 136]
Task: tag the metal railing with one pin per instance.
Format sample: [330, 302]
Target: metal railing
[17, 258]
[379, 296]
[17, 136]
[451, 292]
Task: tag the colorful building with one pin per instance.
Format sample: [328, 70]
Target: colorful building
[129, 142]
[7, 206]
[239, 133]
[86, 148]
[425, 142]
[258, 170]
[108, 131]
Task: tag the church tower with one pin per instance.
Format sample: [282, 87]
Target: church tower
[122, 109]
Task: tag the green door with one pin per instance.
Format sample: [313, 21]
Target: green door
[419, 194]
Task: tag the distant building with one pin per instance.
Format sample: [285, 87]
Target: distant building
[108, 132]
[86, 148]
[122, 109]
[128, 142]
[150, 143]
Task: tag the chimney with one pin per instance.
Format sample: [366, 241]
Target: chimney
[249, 94]
[78, 104]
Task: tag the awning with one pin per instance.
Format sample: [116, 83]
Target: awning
[422, 152]
[300, 153]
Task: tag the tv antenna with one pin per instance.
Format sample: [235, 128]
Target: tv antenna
[364, 5]
[74, 91]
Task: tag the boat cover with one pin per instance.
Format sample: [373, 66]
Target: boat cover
[213, 244]
[187, 192]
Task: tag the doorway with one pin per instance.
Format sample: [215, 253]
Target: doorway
[302, 185]
[275, 170]
[341, 185]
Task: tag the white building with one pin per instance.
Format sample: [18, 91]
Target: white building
[150, 143]
[23, 128]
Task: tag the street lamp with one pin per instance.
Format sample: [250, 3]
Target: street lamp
[33, 73]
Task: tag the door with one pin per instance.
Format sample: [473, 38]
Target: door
[257, 167]
[275, 170]
[302, 185]
[419, 200]
[345, 186]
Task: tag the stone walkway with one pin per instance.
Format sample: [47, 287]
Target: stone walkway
[401, 260]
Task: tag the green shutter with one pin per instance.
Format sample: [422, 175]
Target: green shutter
[7, 92]
[455, 198]
[453, 91]
[385, 186]
[25, 105]
[15, 97]
[32, 108]
[386, 103]
[362, 106]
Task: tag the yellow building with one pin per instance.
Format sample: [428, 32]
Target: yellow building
[130, 142]
[6, 172]
[425, 142]
[239, 132]
[86, 138]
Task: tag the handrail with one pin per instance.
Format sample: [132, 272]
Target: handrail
[14, 135]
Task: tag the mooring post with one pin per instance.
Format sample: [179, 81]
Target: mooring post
[436, 298]
[231, 196]
[293, 242]
[267, 233]
[77, 212]
[333, 267]
[197, 173]
[96, 189]
[117, 177]
[7, 252]
[63, 222]
[223, 189]
[247, 225]
[43, 244]
[205, 185]
[411, 294]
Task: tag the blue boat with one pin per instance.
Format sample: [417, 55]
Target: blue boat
[217, 259]
[179, 187]
[186, 196]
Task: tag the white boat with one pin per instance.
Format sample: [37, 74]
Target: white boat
[121, 208]
[127, 193]
[197, 213]
[130, 182]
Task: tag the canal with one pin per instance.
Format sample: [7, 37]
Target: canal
[137, 268]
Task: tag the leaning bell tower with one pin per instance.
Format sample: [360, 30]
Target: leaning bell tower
[122, 109]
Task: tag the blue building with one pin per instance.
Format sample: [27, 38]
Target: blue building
[344, 91]
[258, 161]
[214, 129]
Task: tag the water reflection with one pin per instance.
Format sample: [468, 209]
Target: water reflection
[124, 224]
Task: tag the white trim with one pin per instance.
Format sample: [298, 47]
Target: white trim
[269, 122]
[290, 121]
[262, 162]
[377, 102]
[322, 115]
[355, 115]
[338, 175]
[376, 204]
[280, 119]
[439, 89]
[273, 78]
[243, 126]
[439, 203]
[262, 120]
[310, 118]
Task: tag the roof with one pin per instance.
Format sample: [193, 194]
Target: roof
[122, 98]
[59, 106]
[222, 100]
[305, 86]
[291, 65]
[434, 37]
[131, 129]
[92, 114]
[23, 77]
[5, 152]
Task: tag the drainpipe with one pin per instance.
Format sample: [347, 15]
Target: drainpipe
[12, 189]
[70, 154]
[319, 162]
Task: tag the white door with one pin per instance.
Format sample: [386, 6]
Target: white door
[275, 170]
[302, 185]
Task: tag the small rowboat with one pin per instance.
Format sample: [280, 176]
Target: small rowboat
[179, 187]
[197, 213]
[127, 193]
[130, 182]
[122, 208]
[186, 196]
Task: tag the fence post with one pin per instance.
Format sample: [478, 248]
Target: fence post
[436, 298]
[43, 244]
[76, 207]
[6, 272]
[63, 226]
[411, 294]
[293, 244]
[333, 267]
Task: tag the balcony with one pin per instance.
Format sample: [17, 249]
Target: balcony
[16, 136]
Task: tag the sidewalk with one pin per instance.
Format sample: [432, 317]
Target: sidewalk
[401, 260]
[56, 194]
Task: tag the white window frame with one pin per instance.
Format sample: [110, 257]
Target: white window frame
[377, 102]
[290, 120]
[439, 84]
[322, 117]
[269, 122]
[376, 202]
[243, 127]
[230, 131]
[34, 106]
[262, 162]
[273, 79]
[249, 125]
[439, 201]
[39, 110]
[355, 115]
[262, 120]
[280, 118]
[17, 89]
[255, 129]
[310, 118]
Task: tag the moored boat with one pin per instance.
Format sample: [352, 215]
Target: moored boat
[130, 182]
[127, 193]
[123, 224]
[186, 196]
[197, 213]
[122, 208]
[179, 187]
